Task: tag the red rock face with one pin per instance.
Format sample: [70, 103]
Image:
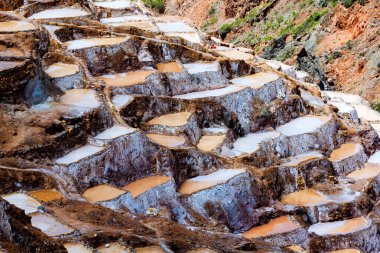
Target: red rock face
[342, 45]
[10, 5]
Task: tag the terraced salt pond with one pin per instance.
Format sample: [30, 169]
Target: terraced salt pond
[46, 195]
[343, 107]
[169, 67]
[79, 154]
[202, 250]
[140, 186]
[113, 248]
[296, 160]
[208, 143]
[308, 197]
[200, 67]
[303, 125]
[171, 120]
[211, 93]
[124, 19]
[348, 98]
[376, 126]
[191, 36]
[145, 25]
[49, 225]
[375, 158]
[76, 248]
[345, 151]
[233, 53]
[94, 42]
[102, 193]
[345, 251]
[204, 182]
[276, 226]
[367, 113]
[297, 249]
[249, 143]
[68, 12]
[84, 98]
[5, 65]
[170, 141]
[152, 249]
[139, 21]
[339, 227]
[23, 201]
[114, 132]
[121, 4]
[175, 27]
[60, 69]
[369, 171]
[16, 26]
[120, 101]
[256, 81]
[126, 79]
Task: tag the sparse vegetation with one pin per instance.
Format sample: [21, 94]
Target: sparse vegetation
[213, 9]
[349, 45]
[285, 54]
[158, 5]
[348, 3]
[309, 23]
[306, 3]
[224, 29]
[333, 2]
[305, 26]
[212, 17]
[209, 23]
[376, 106]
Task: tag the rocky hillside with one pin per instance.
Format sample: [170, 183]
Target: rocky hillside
[336, 41]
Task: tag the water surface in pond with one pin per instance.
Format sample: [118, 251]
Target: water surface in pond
[171, 120]
[46, 195]
[140, 186]
[59, 13]
[204, 182]
[169, 67]
[279, 225]
[102, 193]
[126, 79]
[170, 141]
[15, 26]
[345, 151]
[49, 225]
[339, 227]
[60, 69]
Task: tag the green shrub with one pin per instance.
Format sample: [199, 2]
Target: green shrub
[376, 106]
[349, 44]
[213, 9]
[309, 23]
[333, 2]
[348, 3]
[306, 3]
[158, 5]
[209, 22]
[267, 38]
[285, 54]
[280, 19]
[226, 28]
[288, 29]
